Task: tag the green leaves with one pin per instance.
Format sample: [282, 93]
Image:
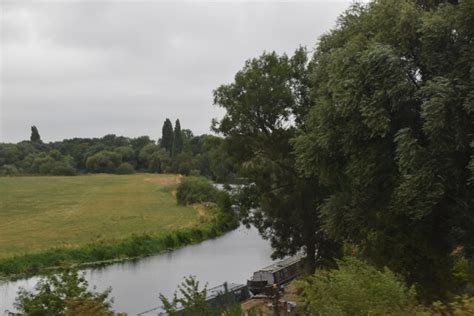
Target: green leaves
[264, 106]
[356, 288]
[177, 139]
[189, 298]
[196, 190]
[63, 294]
[389, 134]
[167, 137]
[35, 136]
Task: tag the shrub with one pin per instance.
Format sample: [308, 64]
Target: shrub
[224, 201]
[356, 288]
[125, 168]
[8, 170]
[190, 299]
[193, 299]
[460, 306]
[64, 294]
[196, 190]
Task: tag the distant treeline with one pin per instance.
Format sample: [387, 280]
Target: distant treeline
[178, 151]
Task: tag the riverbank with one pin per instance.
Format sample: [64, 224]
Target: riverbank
[52, 222]
[136, 284]
[137, 246]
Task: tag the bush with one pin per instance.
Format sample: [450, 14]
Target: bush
[190, 299]
[460, 306]
[125, 168]
[57, 168]
[356, 288]
[224, 201]
[64, 294]
[8, 170]
[196, 190]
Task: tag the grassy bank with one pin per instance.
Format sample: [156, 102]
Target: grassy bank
[54, 221]
[99, 253]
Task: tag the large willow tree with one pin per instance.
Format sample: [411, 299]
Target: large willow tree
[264, 106]
[391, 135]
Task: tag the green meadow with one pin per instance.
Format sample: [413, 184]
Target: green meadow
[42, 213]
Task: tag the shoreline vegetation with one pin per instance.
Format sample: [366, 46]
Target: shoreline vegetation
[203, 219]
[94, 255]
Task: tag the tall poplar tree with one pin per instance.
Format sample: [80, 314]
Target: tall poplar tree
[35, 136]
[177, 138]
[167, 136]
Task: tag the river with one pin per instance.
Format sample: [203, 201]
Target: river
[136, 285]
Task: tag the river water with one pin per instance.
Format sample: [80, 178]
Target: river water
[136, 285]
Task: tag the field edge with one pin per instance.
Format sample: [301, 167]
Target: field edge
[133, 247]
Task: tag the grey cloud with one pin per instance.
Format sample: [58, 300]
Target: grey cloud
[90, 68]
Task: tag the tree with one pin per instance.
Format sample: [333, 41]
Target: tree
[192, 299]
[196, 190]
[177, 139]
[140, 142]
[220, 166]
[356, 288]
[112, 140]
[35, 136]
[264, 106]
[127, 153]
[389, 134]
[104, 161]
[64, 294]
[167, 136]
[154, 158]
[9, 154]
[52, 163]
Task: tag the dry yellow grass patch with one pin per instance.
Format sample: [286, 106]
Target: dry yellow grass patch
[164, 180]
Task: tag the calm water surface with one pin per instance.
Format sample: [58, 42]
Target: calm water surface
[136, 285]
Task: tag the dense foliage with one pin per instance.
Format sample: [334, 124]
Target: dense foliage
[35, 136]
[356, 288]
[264, 107]
[166, 141]
[63, 294]
[370, 143]
[391, 135]
[200, 190]
[179, 151]
[190, 299]
[177, 139]
[196, 190]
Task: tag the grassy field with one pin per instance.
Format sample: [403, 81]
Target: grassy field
[40, 213]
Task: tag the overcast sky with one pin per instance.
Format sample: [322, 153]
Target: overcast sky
[90, 68]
